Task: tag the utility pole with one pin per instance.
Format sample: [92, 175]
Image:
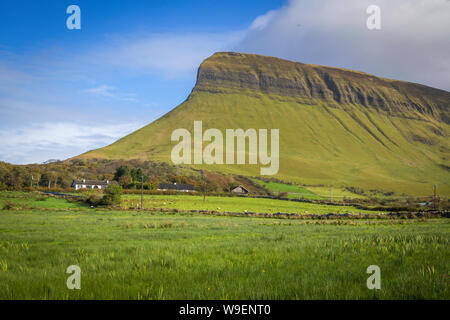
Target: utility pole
[31, 182]
[434, 196]
[142, 192]
[204, 186]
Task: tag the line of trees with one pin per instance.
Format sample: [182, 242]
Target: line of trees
[60, 175]
[19, 177]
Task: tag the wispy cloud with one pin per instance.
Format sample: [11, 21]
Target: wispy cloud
[40, 142]
[111, 92]
[102, 90]
[261, 22]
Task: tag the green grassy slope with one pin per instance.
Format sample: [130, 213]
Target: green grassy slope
[336, 126]
[293, 191]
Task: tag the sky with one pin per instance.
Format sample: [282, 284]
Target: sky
[64, 92]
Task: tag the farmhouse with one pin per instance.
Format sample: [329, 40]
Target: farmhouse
[240, 190]
[176, 187]
[91, 184]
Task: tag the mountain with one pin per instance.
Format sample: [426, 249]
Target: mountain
[336, 126]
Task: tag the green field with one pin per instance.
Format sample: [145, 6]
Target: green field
[233, 204]
[308, 192]
[292, 190]
[25, 200]
[145, 255]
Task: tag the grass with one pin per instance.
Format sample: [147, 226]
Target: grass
[126, 255]
[308, 192]
[338, 193]
[19, 200]
[233, 204]
[293, 191]
[148, 255]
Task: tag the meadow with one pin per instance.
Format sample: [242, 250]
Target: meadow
[147, 255]
[233, 204]
[293, 191]
[27, 200]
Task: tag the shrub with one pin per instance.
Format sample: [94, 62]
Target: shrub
[282, 195]
[8, 206]
[112, 195]
[93, 198]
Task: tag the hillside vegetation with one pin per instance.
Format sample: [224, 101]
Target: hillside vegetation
[337, 126]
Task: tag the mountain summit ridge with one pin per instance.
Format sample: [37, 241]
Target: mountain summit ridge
[239, 72]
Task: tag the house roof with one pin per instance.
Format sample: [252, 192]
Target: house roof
[94, 182]
[170, 186]
[242, 187]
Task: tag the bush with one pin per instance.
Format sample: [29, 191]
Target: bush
[281, 195]
[113, 194]
[8, 206]
[92, 197]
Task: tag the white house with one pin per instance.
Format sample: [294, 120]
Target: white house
[91, 184]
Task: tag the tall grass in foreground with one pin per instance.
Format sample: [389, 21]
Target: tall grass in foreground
[133, 255]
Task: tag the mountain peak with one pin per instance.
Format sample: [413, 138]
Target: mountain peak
[233, 72]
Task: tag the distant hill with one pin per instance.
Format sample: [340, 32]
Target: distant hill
[49, 161]
[337, 126]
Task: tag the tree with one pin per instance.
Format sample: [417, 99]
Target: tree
[121, 171]
[15, 178]
[64, 181]
[124, 180]
[47, 179]
[153, 183]
[136, 174]
[113, 194]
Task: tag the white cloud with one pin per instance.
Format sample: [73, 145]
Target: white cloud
[111, 92]
[169, 55]
[102, 90]
[262, 21]
[61, 140]
[413, 44]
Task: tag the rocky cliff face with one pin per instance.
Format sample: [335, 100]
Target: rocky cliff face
[236, 72]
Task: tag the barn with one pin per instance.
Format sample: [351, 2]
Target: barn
[240, 190]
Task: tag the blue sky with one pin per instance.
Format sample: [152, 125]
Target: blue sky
[63, 92]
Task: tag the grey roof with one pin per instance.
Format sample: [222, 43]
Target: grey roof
[94, 182]
[242, 187]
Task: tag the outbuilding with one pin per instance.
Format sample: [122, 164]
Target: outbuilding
[240, 190]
